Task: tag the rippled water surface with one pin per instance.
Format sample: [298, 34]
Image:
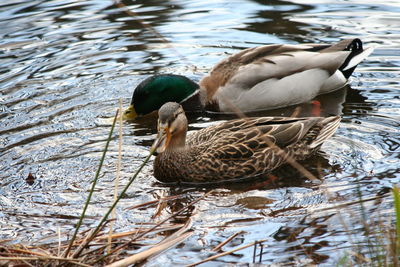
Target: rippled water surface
[65, 64]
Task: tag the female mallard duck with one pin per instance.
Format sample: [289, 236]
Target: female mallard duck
[234, 149]
[258, 78]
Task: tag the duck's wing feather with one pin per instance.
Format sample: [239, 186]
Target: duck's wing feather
[281, 131]
[236, 126]
[252, 150]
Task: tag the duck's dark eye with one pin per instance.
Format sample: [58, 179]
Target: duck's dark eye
[177, 113]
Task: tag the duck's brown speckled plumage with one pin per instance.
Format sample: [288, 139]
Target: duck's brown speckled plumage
[241, 148]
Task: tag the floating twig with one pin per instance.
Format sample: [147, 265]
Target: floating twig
[133, 232]
[156, 201]
[226, 253]
[217, 248]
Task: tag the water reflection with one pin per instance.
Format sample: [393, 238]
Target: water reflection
[302, 237]
[275, 19]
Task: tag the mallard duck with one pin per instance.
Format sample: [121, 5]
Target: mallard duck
[234, 149]
[259, 78]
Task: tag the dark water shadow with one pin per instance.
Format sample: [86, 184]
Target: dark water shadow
[276, 20]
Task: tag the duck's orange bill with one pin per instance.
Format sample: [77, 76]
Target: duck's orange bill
[162, 140]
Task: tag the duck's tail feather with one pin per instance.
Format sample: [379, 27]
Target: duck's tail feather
[330, 125]
[357, 55]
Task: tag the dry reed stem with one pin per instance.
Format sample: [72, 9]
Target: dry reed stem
[45, 258]
[25, 251]
[157, 225]
[161, 205]
[217, 248]
[151, 251]
[86, 241]
[83, 243]
[98, 250]
[182, 230]
[133, 232]
[226, 253]
[118, 174]
[104, 220]
[172, 240]
[87, 202]
[156, 201]
[59, 241]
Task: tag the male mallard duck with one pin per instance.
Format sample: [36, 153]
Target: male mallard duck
[233, 149]
[259, 78]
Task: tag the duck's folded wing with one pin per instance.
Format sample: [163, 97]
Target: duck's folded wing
[281, 131]
[254, 135]
[233, 126]
[252, 150]
[253, 66]
[281, 65]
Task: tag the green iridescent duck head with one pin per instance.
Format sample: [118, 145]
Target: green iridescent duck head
[157, 90]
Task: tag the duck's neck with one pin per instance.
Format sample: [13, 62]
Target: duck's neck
[177, 142]
[192, 102]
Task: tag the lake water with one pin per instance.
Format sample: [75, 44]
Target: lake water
[65, 64]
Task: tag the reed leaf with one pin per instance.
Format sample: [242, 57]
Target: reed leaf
[93, 186]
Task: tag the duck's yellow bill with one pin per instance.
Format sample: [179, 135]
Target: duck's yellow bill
[129, 113]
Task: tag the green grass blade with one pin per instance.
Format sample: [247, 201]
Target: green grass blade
[93, 186]
[105, 217]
